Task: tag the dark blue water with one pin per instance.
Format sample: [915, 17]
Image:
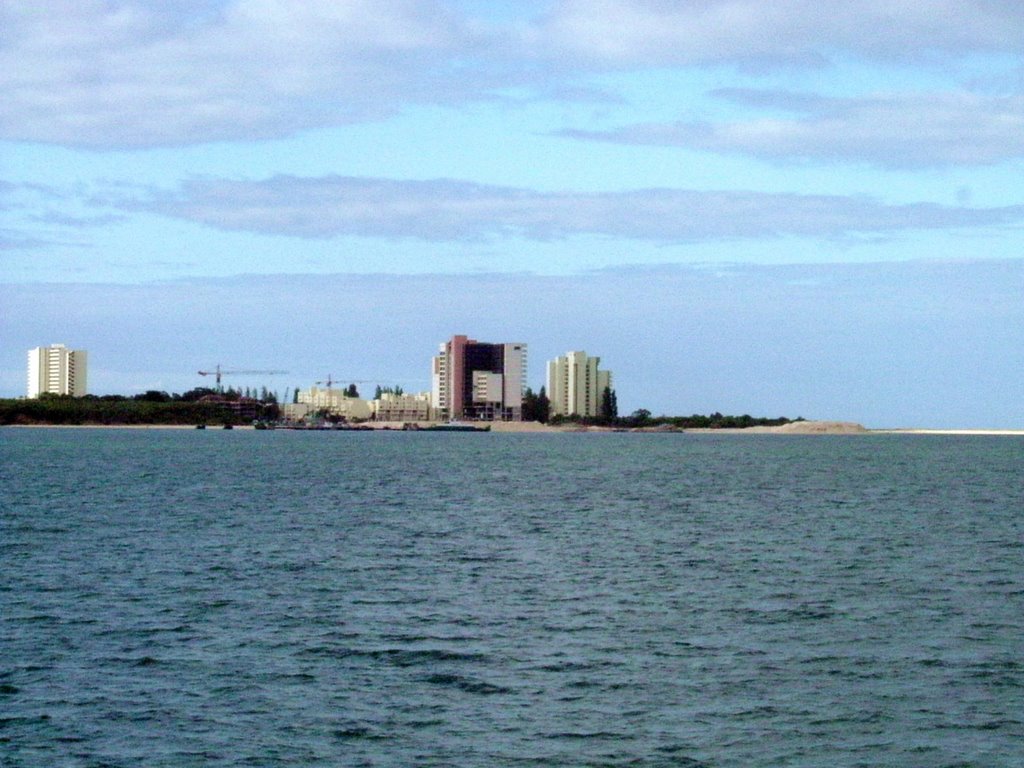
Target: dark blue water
[181, 598]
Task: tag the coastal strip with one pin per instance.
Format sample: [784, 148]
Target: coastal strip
[532, 427]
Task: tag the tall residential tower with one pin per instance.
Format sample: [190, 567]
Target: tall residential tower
[56, 370]
[475, 380]
[575, 385]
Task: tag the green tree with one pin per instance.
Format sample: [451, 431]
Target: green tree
[640, 417]
[153, 396]
[535, 406]
[543, 406]
[609, 409]
[197, 394]
[395, 390]
[529, 408]
[351, 391]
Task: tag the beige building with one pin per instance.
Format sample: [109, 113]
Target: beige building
[296, 411]
[56, 370]
[334, 402]
[392, 407]
[575, 385]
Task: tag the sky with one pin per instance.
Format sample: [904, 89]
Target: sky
[790, 209]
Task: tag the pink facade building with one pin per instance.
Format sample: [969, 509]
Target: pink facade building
[478, 380]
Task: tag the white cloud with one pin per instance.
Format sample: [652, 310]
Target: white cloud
[98, 74]
[446, 210]
[104, 74]
[668, 32]
[909, 130]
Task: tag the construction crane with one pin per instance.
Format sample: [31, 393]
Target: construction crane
[331, 380]
[218, 373]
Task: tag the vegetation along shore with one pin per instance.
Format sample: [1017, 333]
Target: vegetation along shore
[204, 406]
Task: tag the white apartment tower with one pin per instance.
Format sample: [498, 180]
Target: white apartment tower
[56, 370]
[575, 385]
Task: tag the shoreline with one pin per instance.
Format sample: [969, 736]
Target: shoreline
[520, 427]
[917, 431]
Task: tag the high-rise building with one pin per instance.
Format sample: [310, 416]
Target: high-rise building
[56, 370]
[475, 380]
[575, 385]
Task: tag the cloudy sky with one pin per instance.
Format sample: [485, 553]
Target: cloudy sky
[786, 208]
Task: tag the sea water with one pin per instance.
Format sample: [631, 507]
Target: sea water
[275, 598]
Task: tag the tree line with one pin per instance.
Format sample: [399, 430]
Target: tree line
[210, 406]
[197, 406]
[537, 407]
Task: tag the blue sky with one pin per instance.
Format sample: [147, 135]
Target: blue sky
[787, 208]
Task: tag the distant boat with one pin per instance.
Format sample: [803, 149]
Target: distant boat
[228, 426]
[200, 426]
